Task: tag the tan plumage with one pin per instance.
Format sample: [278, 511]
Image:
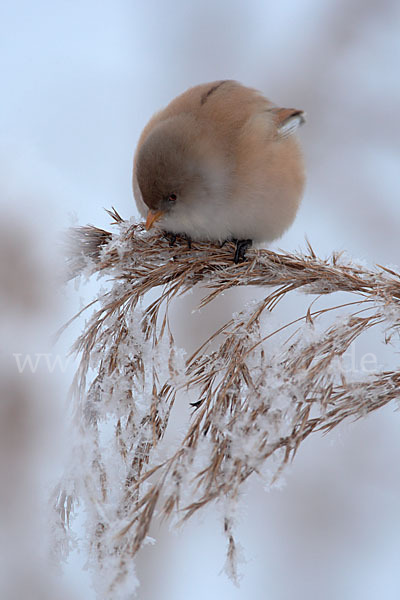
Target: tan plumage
[220, 162]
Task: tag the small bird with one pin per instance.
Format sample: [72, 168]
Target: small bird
[220, 162]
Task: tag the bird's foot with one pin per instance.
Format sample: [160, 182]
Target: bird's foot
[188, 241]
[171, 237]
[241, 247]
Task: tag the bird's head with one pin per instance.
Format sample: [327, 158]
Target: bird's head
[175, 171]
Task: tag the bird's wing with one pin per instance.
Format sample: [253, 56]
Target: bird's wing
[288, 120]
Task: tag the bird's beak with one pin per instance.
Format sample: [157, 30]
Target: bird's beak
[152, 217]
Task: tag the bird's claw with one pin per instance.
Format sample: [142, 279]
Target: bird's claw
[171, 237]
[241, 247]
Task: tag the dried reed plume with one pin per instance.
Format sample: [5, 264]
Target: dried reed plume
[252, 405]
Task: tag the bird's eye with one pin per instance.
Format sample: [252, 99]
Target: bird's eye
[172, 198]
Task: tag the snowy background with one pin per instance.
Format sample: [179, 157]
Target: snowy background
[79, 81]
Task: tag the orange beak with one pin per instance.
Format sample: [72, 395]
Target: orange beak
[152, 217]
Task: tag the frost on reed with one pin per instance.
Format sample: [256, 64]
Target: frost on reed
[252, 404]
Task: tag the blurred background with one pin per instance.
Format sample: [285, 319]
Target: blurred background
[79, 82]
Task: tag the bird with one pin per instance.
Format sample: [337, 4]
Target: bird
[221, 162]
